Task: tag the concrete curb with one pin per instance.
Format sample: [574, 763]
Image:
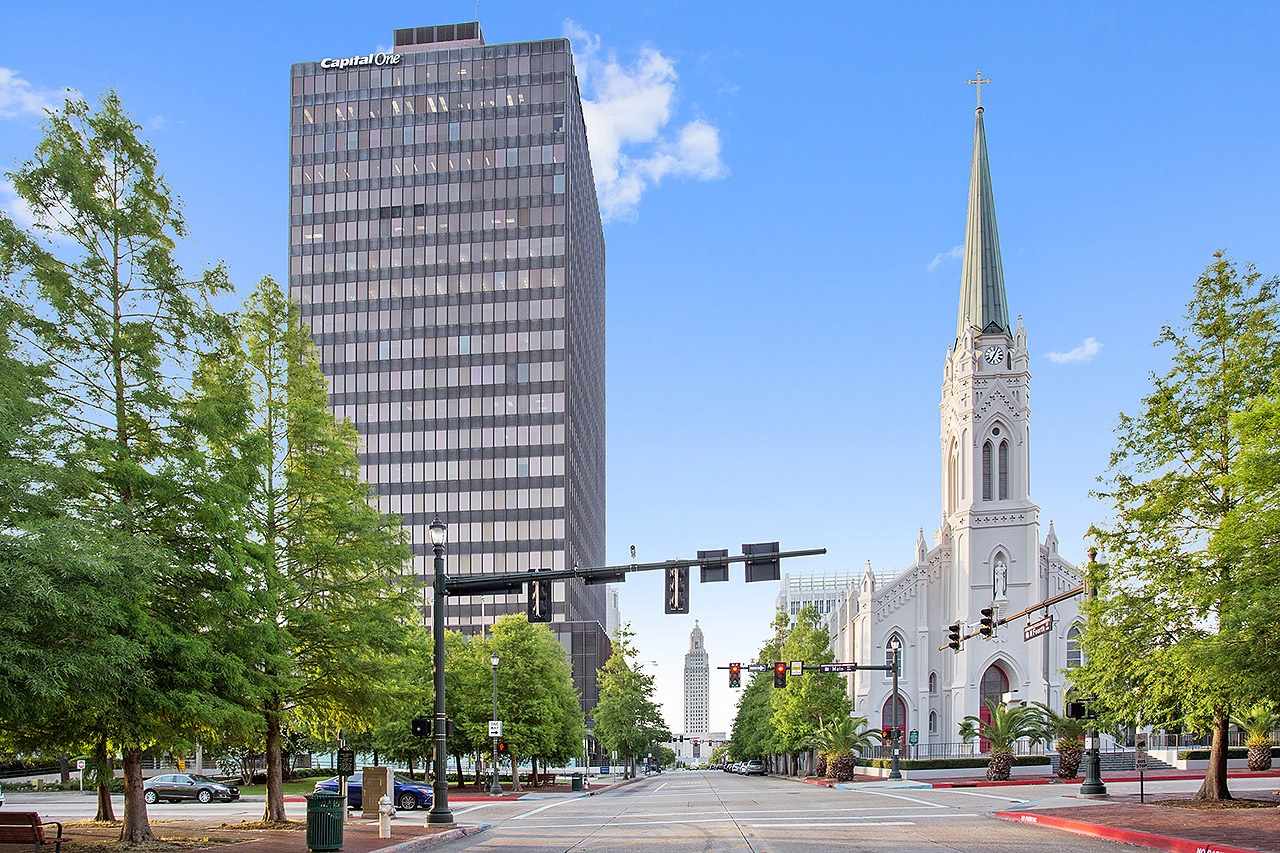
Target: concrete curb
[425, 841]
[1127, 836]
[903, 785]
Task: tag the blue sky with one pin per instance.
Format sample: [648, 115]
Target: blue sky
[785, 193]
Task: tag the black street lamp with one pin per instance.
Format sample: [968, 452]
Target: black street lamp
[495, 789]
[440, 813]
[895, 647]
[1093, 787]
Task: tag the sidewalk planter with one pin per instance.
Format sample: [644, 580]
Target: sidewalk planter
[326, 812]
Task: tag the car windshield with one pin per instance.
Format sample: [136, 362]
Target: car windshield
[206, 779]
[405, 780]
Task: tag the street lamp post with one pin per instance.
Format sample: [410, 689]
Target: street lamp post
[895, 647]
[495, 789]
[440, 813]
[1093, 787]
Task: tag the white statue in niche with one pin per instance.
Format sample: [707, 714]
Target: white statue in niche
[1000, 581]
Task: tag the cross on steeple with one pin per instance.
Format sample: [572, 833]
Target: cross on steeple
[978, 82]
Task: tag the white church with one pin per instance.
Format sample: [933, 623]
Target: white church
[988, 551]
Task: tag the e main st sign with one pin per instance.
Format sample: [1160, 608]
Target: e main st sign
[378, 60]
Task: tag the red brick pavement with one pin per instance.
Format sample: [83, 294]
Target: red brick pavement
[1180, 830]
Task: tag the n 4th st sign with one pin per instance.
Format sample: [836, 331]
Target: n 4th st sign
[1038, 627]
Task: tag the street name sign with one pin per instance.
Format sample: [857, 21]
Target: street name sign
[837, 667]
[1038, 627]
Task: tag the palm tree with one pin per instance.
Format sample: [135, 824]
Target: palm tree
[1257, 723]
[838, 741]
[1004, 728]
[1067, 735]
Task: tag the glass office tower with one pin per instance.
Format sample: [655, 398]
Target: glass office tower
[446, 249]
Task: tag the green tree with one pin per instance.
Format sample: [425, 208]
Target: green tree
[1003, 728]
[839, 740]
[540, 710]
[323, 626]
[754, 735]
[627, 719]
[121, 314]
[799, 709]
[1176, 628]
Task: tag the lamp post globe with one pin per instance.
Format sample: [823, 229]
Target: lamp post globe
[440, 813]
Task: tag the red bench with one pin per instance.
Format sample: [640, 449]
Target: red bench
[27, 828]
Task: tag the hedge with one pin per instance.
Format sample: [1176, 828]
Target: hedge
[951, 763]
[1203, 754]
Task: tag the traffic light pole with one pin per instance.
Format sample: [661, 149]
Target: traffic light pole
[440, 813]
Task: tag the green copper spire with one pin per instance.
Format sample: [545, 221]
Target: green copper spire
[982, 301]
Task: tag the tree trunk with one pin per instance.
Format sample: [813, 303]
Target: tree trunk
[274, 810]
[457, 760]
[136, 828]
[1215, 776]
[515, 773]
[64, 769]
[104, 772]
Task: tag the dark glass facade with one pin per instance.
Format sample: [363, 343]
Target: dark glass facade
[446, 249]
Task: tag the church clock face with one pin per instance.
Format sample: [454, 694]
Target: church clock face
[994, 354]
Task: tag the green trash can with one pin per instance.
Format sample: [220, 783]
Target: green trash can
[325, 814]
[576, 783]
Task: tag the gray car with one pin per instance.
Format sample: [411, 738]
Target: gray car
[187, 786]
[753, 768]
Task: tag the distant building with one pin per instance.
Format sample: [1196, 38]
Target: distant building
[822, 592]
[612, 609]
[697, 686]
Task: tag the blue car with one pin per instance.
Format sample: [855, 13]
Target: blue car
[409, 794]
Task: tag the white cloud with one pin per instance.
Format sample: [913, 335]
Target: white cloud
[20, 98]
[15, 207]
[955, 253]
[1083, 353]
[628, 112]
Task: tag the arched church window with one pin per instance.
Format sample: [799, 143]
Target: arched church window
[887, 716]
[986, 470]
[933, 684]
[1075, 657]
[933, 722]
[1004, 470]
[893, 641]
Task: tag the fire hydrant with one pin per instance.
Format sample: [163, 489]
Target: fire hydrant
[385, 813]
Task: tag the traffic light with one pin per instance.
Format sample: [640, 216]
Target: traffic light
[780, 674]
[539, 601]
[421, 727]
[1076, 711]
[953, 636]
[987, 626]
[676, 597]
[886, 734]
[735, 675]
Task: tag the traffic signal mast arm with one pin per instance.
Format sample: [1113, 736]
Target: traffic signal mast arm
[1004, 620]
[514, 581]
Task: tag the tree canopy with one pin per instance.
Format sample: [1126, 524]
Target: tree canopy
[1183, 627]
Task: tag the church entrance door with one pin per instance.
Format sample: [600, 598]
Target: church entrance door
[993, 687]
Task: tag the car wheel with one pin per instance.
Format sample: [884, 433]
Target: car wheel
[205, 795]
[150, 796]
[408, 802]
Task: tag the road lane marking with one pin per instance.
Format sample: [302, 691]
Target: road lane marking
[473, 808]
[988, 796]
[793, 826]
[660, 787]
[543, 808]
[902, 797]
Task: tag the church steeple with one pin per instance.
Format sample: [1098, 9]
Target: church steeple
[982, 300]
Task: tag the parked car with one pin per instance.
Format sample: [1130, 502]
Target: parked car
[1, 796]
[187, 786]
[753, 768]
[409, 794]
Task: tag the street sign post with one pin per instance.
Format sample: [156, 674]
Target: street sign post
[346, 762]
[913, 737]
[837, 667]
[758, 667]
[1038, 627]
[495, 728]
[1140, 758]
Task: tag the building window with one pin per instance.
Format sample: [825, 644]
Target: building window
[933, 684]
[1004, 470]
[933, 722]
[1074, 655]
[894, 640]
[986, 471]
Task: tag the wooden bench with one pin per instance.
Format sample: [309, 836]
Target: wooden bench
[27, 828]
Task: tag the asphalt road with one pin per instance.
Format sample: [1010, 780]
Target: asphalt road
[686, 812]
[712, 811]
